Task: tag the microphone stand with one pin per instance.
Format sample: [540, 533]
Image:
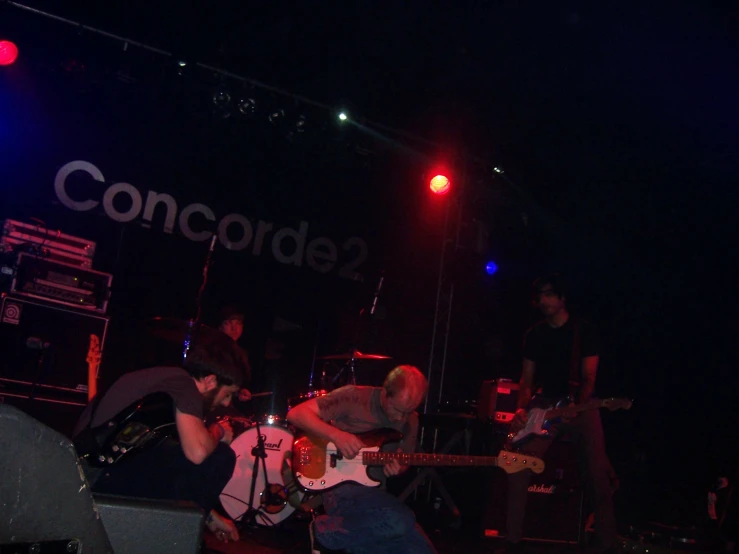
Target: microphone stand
[350, 365]
[194, 323]
[259, 452]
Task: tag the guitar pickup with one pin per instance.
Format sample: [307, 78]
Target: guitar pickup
[334, 458]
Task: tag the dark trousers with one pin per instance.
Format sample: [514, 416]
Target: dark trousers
[165, 473]
[586, 431]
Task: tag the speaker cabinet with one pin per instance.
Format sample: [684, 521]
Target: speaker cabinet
[48, 345]
[555, 503]
[45, 500]
[151, 526]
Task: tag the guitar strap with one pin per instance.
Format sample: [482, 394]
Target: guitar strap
[575, 359]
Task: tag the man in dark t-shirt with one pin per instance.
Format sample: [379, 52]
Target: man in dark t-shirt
[195, 467]
[363, 519]
[560, 358]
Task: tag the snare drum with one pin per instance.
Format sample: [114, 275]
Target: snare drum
[272, 502]
[295, 400]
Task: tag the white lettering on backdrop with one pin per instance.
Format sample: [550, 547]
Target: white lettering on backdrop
[235, 231]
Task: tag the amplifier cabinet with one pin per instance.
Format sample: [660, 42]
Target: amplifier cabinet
[554, 504]
[46, 344]
[498, 400]
[67, 284]
[16, 236]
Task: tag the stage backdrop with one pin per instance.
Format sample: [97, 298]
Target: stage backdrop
[305, 227]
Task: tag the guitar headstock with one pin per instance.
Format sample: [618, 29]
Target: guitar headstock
[513, 462]
[94, 355]
[617, 404]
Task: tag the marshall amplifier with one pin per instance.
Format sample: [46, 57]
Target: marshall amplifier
[554, 504]
[47, 345]
[62, 283]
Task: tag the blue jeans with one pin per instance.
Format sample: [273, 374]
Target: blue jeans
[364, 519]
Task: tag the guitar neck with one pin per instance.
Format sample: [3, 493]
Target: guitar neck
[383, 458]
[589, 405]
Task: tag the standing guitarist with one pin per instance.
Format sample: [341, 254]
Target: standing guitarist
[560, 356]
[363, 519]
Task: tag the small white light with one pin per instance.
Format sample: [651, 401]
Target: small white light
[342, 116]
[182, 63]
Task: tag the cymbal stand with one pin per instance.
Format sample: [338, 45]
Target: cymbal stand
[194, 323]
[351, 365]
[350, 368]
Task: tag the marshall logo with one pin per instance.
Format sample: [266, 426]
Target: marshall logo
[542, 489]
[271, 445]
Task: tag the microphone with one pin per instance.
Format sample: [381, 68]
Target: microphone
[377, 293]
[35, 343]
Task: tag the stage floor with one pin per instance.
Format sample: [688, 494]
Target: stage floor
[293, 539]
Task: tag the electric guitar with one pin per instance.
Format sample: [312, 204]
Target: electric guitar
[144, 424]
[93, 359]
[542, 420]
[318, 465]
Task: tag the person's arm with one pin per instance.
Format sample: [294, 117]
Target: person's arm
[589, 371]
[198, 442]
[307, 416]
[525, 387]
[526, 384]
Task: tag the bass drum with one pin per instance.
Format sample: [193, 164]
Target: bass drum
[273, 502]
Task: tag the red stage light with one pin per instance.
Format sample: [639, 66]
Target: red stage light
[440, 184]
[8, 52]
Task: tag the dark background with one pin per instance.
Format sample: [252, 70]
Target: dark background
[615, 125]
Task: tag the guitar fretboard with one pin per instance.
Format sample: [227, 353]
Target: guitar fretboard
[589, 405]
[383, 458]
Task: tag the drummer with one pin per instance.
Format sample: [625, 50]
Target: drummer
[231, 323]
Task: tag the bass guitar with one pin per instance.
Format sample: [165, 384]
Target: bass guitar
[542, 420]
[318, 465]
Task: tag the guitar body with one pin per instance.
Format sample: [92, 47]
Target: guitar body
[538, 424]
[141, 426]
[318, 465]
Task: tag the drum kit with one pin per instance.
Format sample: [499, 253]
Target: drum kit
[262, 490]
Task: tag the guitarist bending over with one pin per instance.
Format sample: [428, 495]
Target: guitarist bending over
[364, 519]
[195, 468]
[560, 355]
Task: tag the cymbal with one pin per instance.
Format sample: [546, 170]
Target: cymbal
[176, 330]
[357, 355]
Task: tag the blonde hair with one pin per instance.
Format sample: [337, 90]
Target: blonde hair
[403, 377]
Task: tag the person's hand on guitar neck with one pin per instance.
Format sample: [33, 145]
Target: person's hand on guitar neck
[348, 444]
[393, 467]
[244, 395]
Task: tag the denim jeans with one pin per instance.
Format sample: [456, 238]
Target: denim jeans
[363, 519]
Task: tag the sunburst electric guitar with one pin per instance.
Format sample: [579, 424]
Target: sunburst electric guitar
[318, 465]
